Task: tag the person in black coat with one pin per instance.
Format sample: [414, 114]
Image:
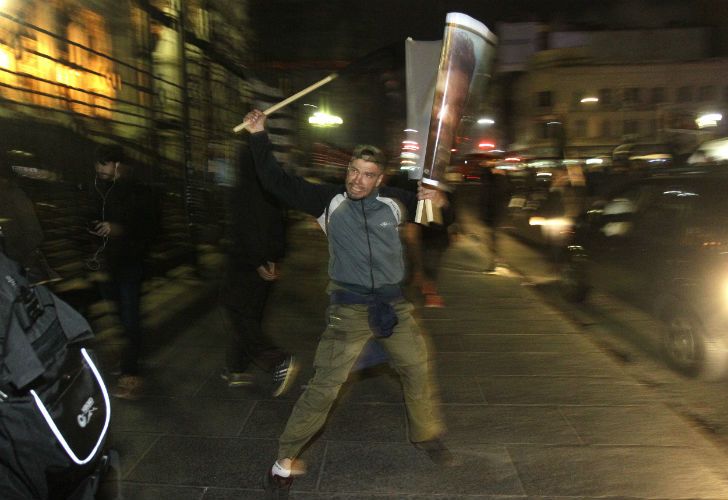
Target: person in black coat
[494, 197]
[258, 242]
[124, 221]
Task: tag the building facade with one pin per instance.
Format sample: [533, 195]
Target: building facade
[597, 91]
[165, 78]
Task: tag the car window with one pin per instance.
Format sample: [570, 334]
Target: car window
[707, 219]
[663, 211]
[710, 207]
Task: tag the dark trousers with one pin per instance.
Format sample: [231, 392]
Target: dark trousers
[125, 290]
[243, 297]
[490, 235]
[434, 244]
[431, 258]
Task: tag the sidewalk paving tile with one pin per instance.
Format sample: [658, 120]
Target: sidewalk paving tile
[632, 425]
[222, 462]
[617, 471]
[488, 424]
[551, 343]
[587, 364]
[400, 468]
[182, 416]
[563, 390]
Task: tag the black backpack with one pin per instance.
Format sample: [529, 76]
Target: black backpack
[54, 406]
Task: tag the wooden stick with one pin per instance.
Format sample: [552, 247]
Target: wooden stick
[289, 100]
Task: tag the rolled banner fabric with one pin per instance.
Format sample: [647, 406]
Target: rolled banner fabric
[422, 59]
[465, 62]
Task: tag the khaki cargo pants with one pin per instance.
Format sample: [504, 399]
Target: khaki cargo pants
[341, 343]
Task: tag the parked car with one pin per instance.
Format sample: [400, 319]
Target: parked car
[661, 243]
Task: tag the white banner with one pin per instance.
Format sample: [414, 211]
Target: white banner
[422, 59]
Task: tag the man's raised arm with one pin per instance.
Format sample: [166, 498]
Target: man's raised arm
[290, 189]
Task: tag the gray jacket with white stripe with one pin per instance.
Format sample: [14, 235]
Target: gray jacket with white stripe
[365, 250]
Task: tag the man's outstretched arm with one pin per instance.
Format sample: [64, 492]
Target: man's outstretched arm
[290, 189]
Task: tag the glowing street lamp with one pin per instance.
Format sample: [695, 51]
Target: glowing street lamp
[589, 99]
[321, 119]
[486, 121]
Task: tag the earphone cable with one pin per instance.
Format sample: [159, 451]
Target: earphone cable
[94, 263]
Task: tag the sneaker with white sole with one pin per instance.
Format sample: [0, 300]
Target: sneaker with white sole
[283, 375]
[276, 487]
[277, 480]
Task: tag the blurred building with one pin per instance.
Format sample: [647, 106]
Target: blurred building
[580, 94]
[167, 79]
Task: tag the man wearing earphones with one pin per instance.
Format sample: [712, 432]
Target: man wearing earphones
[362, 221]
[124, 223]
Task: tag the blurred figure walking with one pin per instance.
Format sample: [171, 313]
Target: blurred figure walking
[494, 197]
[426, 245]
[258, 236]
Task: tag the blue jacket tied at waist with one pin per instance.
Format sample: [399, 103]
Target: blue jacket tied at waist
[382, 317]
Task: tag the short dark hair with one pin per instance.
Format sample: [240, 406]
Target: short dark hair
[369, 153]
[106, 153]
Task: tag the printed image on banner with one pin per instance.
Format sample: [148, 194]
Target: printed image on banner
[465, 64]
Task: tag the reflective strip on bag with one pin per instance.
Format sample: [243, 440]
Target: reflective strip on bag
[54, 428]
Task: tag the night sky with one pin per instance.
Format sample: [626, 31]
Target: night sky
[335, 30]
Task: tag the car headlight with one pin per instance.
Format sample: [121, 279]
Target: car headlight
[554, 222]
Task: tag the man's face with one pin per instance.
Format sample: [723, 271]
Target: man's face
[362, 177]
[108, 171]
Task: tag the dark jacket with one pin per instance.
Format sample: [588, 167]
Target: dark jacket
[257, 219]
[132, 206]
[495, 194]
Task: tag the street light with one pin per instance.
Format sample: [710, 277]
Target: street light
[589, 99]
[322, 119]
[485, 121]
[708, 120]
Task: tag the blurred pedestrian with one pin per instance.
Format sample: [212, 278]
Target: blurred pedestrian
[125, 220]
[258, 236]
[434, 242]
[361, 220]
[21, 234]
[426, 245]
[494, 197]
